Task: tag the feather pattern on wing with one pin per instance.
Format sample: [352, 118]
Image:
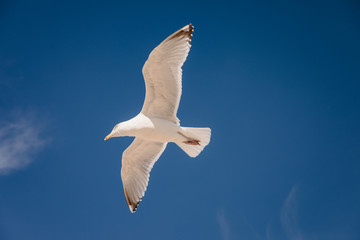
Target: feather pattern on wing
[162, 73]
[137, 162]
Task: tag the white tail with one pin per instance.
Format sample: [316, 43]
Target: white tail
[202, 135]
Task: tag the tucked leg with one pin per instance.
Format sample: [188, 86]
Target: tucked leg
[190, 141]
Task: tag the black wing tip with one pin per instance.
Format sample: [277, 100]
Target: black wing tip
[191, 30]
[186, 31]
[132, 205]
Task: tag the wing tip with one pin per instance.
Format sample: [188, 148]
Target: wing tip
[186, 31]
[132, 205]
[191, 31]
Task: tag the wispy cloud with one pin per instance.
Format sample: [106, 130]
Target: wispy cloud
[19, 141]
[268, 231]
[288, 216]
[223, 224]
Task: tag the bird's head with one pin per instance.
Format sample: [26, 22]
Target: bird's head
[116, 132]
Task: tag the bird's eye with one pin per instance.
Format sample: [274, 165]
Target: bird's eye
[115, 127]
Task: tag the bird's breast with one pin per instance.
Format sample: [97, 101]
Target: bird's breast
[160, 130]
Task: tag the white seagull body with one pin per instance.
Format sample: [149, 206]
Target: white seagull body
[157, 124]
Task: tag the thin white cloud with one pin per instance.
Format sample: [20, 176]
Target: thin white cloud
[223, 224]
[268, 231]
[230, 233]
[19, 141]
[288, 216]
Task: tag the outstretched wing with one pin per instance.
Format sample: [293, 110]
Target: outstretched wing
[162, 73]
[137, 162]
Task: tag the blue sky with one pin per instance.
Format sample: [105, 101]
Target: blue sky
[278, 83]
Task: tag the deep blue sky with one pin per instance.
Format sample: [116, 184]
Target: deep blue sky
[277, 81]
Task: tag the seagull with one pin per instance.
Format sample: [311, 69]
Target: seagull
[157, 123]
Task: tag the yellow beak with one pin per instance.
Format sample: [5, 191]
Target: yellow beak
[108, 137]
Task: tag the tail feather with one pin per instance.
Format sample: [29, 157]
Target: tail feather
[198, 134]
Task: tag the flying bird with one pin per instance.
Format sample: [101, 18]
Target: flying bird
[157, 123]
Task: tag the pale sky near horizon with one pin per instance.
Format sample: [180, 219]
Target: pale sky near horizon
[277, 81]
